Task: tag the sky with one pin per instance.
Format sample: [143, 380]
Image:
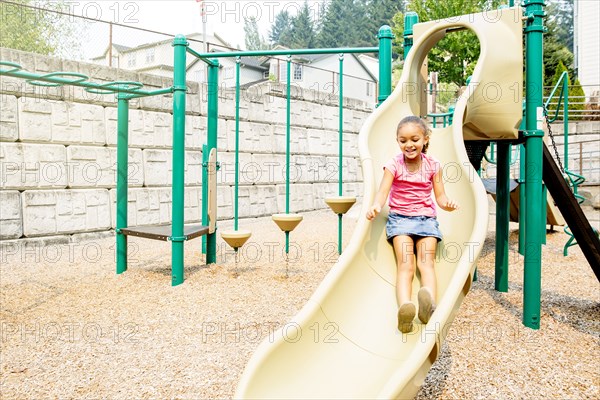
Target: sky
[225, 17]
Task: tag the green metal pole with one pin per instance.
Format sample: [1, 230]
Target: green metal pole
[341, 125]
[385, 37]
[122, 184]
[179, 92]
[287, 147]
[410, 19]
[341, 148]
[212, 125]
[522, 180]
[502, 216]
[534, 35]
[237, 141]
[204, 193]
[544, 212]
[566, 121]
[522, 197]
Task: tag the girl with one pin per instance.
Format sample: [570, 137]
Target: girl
[408, 178]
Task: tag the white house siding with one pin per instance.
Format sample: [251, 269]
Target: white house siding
[587, 44]
[355, 77]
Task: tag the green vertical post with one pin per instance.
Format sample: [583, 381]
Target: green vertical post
[341, 149]
[288, 120]
[544, 212]
[534, 34]
[565, 90]
[211, 143]
[237, 142]
[522, 197]
[522, 179]
[179, 92]
[122, 184]
[502, 216]
[385, 37]
[410, 19]
[204, 193]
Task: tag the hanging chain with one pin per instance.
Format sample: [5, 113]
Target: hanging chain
[562, 169]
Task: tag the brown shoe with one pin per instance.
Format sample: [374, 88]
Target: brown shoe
[406, 315]
[426, 305]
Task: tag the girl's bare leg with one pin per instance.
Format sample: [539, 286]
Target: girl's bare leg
[404, 249]
[426, 263]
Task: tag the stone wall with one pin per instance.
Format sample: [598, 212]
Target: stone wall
[584, 151]
[58, 152]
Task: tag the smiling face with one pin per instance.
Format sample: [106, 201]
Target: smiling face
[411, 139]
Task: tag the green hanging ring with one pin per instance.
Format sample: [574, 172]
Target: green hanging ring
[115, 87]
[79, 78]
[15, 67]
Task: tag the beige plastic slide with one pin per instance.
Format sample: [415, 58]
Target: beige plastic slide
[344, 343]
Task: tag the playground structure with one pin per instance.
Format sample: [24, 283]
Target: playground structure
[445, 145]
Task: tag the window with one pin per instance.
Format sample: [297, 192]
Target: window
[131, 60]
[282, 71]
[266, 74]
[369, 88]
[298, 69]
[150, 55]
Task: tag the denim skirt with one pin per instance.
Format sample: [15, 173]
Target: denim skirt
[420, 226]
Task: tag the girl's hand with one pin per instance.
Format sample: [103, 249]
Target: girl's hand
[451, 205]
[373, 211]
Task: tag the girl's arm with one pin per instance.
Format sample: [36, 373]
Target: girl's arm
[443, 201]
[382, 194]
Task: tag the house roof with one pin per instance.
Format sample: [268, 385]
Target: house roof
[120, 47]
[311, 58]
[125, 49]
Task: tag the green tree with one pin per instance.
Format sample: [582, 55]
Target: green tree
[344, 24]
[381, 12]
[576, 94]
[252, 38]
[455, 56]
[280, 30]
[557, 41]
[302, 33]
[560, 21]
[24, 25]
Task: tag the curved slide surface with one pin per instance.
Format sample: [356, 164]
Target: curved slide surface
[345, 343]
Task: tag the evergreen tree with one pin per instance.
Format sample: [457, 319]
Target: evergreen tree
[556, 47]
[576, 94]
[302, 33]
[344, 24]
[381, 12]
[280, 30]
[252, 38]
[560, 21]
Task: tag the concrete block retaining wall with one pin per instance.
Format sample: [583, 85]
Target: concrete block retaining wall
[58, 153]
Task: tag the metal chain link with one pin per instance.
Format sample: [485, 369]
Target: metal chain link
[562, 169]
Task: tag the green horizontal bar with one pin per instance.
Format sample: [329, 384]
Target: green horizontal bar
[201, 57]
[76, 82]
[259, 53]
[440, 115]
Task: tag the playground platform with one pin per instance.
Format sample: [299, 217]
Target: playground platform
[71, 328]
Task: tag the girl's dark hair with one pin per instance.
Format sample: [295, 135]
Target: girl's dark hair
[412, 119]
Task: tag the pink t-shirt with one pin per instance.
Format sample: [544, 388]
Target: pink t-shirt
[410, 194]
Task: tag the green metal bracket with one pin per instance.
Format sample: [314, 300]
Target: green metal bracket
[533, 133]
